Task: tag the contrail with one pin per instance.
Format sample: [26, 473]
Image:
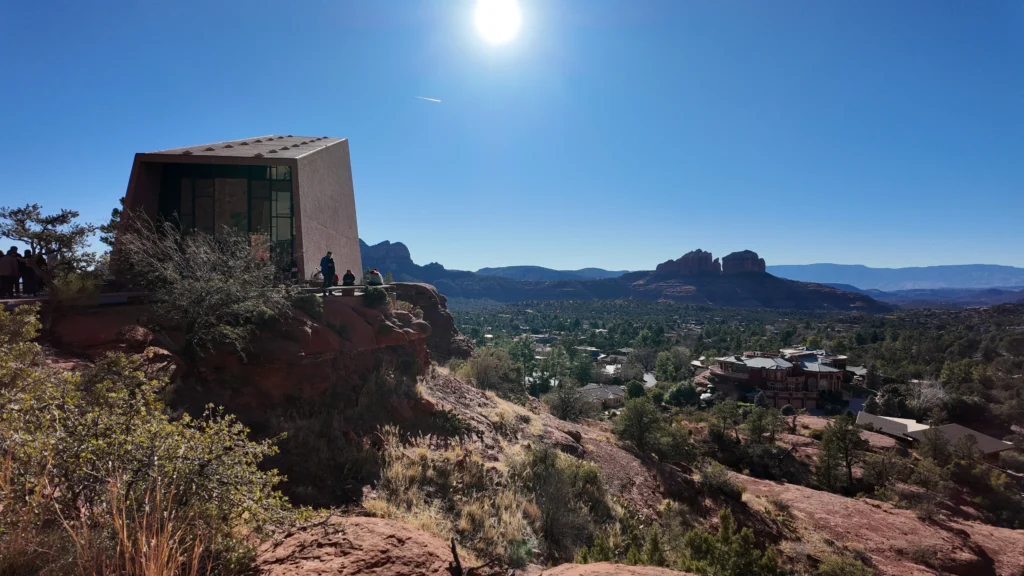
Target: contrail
[428, 99]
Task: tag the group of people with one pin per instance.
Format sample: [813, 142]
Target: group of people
[330, 275]
[21, 274]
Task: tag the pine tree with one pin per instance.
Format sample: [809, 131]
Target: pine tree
[761, 401]
[654, 555]
[827, 469]
[871, 406]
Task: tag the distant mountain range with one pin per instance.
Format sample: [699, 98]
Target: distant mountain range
[540, 274]
[890, 279]
[739, 280]
[940, 297]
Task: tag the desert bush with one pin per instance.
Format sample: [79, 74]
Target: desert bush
[75, 289]
[715, 478]
[87, 450]
[376, 298]
[684, 394]
[311, 304]
[727, 553]
[567, 403]
[493, 369]
[568, 493]
[1012, 460]
[657, 396]
[635, 389]
[215, 288]
[640, 423]
[498, 512]
[833, 565]
[324, 464]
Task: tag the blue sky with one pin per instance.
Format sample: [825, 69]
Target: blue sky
[616, 134]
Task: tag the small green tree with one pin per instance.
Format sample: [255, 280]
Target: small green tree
[848, 441]
[635, 389]
[59, 235]
[871, 406]
[566, 402]
[727, 553]
[828, 466]
[657, 396]
[108, 231]
[761, 401]
[873, 378]
[654, 554]
[641, 424]
[762, 422]
[725, 418]
[684, 394]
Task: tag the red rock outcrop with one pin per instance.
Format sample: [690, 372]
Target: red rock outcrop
[745, 261]
[353, 545]
[689, 264]
[292, 358]
[443, 338]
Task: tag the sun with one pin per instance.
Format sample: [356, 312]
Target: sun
[498, 20]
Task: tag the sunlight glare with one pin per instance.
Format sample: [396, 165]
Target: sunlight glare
[498, 20]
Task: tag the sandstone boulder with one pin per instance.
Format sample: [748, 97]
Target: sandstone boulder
[390, 335]
[351, 546]
[444, 339]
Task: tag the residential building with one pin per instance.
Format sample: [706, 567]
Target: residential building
[294, 191]
[912, 430]
[603, 396]
[795, 376]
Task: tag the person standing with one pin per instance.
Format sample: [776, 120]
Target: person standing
[42, 277]
[9, 273]
[327, 270]
[29, 278]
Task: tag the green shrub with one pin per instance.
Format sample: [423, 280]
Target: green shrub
[727, 553]
[376, 298]
[1012, 460]
[94, 453]
[311, 304]
[716, 478]
[492, 369]
[657, 396]
[215, 288]
[842, 566]
[566, 402]
[641, 423]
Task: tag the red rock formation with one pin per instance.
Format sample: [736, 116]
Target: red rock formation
[689, 264]
[292, 358]
[745, 261]
[443, 338]
[354, 545]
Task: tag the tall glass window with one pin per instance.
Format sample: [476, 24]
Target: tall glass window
[256, 199]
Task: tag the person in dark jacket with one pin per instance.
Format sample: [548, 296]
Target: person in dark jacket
[349, 279]
[9, 272]
[327, 270]
[41, 271]
[29, 279]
